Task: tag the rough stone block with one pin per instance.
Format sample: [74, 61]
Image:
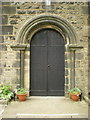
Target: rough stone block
[21, 12]
[60, 8]
[8, 9]
[0, 19]
[66, 79]
[10, 37]
[67, 64]
[84, 9]
[27, 7]
[77, 64]
[36, 7]
[5, 3]
[79, 56]
[15, 16]
[0, 71]
[31, 12]
[66, 72]
[47, 7]
[0, 10]
[7, 30]
[3, 19]
[41, 11]
[3, 48]
[13, 22]
[53, 11]
[16, 64]
[1, 39]
[18, 56]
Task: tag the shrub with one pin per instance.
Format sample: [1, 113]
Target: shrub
[6, 92]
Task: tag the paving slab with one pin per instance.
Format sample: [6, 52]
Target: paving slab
[46, 107]
[2, 107]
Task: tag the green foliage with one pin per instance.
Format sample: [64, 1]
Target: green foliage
[21, 91]
[6, 92]
[75, 91]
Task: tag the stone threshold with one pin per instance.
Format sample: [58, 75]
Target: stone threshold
[47, 97]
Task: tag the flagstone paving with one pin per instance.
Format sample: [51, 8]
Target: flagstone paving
[46, 107]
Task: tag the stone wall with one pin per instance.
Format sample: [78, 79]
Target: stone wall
[14, 14]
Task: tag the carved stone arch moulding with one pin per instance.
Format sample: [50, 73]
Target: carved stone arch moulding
[46, 21]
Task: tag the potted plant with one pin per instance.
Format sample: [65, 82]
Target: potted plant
[21, 93]
[6, 92]
[75, 94]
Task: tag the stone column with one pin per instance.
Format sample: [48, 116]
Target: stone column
[21, 48]
[73, 48]
[21, 68]
[72, 70]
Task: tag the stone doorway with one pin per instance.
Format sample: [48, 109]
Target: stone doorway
[25, 35]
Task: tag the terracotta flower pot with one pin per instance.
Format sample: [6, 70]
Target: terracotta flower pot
[75, 97]
[22, 97]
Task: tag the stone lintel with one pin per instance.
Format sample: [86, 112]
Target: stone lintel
[18, 47]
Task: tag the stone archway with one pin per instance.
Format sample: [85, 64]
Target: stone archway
[25, 34]
[46, 21]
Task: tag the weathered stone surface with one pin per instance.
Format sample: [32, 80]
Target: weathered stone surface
[41, 11]
[53, 11]
[84, 10]
[36, 7]
[4, 19]
[7, 30]
[0, 71]
[3, 47]
[1, 39]
[74, 22]
[0, 9]
[16, 64]
[6, 3]
[60, 8]
[8, 9]
[31, 12]
[13, 22]
[66, 79]
[15, 16]
[77, 64]
[66, 72]
[10, 38]
[18, 56]
[21, 12]
[79, 56]
[27, 7]
[47, 7]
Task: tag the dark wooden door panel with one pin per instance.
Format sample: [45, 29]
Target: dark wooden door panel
[39, 64]
[47, 63]
[56, 63]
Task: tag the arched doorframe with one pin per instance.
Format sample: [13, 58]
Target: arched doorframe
[30, 27]
[43, 21]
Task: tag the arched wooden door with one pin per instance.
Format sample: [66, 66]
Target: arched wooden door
[47, 64]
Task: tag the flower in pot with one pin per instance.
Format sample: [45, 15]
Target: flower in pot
[75, 94]
[21, 93]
